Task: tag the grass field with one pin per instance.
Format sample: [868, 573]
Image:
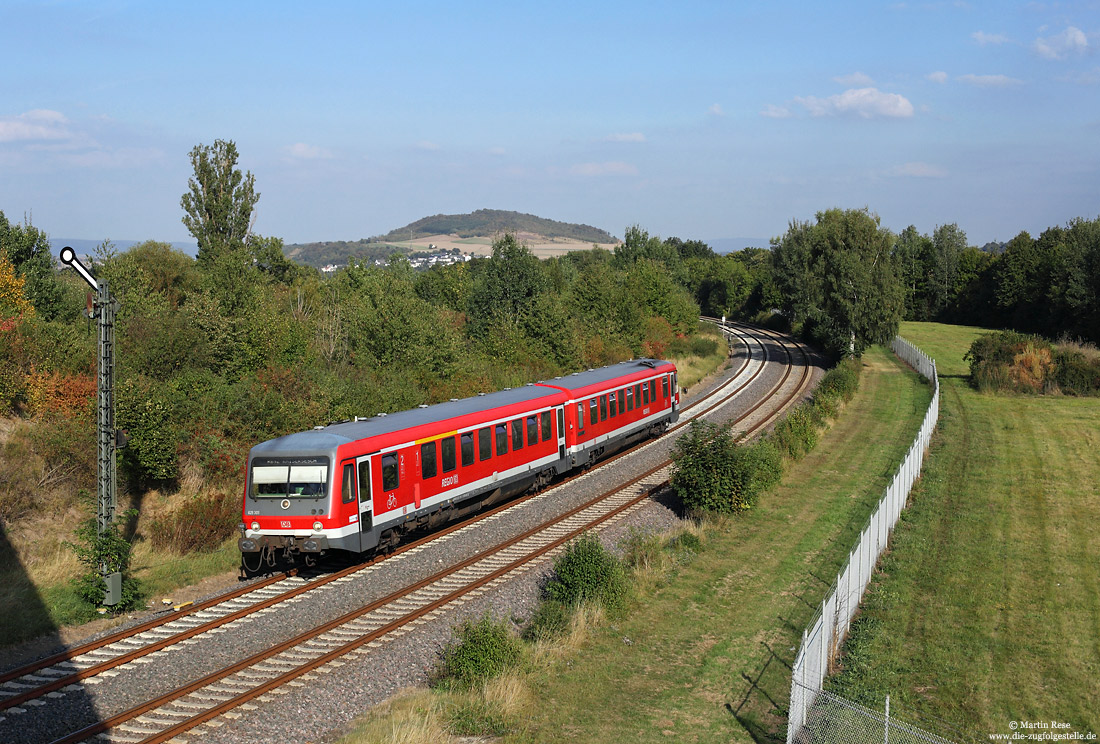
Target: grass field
[705, 657]
[988, 607]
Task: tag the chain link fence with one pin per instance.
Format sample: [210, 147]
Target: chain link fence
[835, 720]
[822, 640]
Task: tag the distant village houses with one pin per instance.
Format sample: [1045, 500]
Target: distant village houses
[419, 261]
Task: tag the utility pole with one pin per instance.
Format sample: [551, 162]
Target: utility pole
[103, 308]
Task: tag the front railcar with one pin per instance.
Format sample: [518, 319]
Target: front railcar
[292, 501]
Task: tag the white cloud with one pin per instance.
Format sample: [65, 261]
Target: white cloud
[302, 151]
[497, 151]
[855, 79]
[1060, 46]
[864, 102]
[776, 112]
[626, 137]
[939, 76]
[39, 124]
[982, 38]
[610, 168]
[990, 81]
[918, 169]
[716, 110]
[425, 145]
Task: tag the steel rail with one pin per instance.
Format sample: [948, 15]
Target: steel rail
[97, 668]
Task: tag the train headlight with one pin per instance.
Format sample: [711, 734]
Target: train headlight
[316, 526]
[255, 526]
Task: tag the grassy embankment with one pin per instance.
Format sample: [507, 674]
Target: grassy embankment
[678, 667]
[987, 610]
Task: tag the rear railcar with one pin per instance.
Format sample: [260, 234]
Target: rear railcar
[609, 407]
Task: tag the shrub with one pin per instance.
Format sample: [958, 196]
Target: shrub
[482, 650]
[201, 523]
[588, 571]
[713, 473]
[1008, 360]
[551, 620]
[841, 382]
[105, 553]
[1075, 373]
[796, 434]
[704, 347]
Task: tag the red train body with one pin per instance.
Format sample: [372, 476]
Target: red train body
[359, 485]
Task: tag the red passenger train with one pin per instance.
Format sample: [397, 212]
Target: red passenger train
[359, 485]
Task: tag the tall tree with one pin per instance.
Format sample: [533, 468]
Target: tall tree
[948, 243]
[911, 253]
[219, 201]
[838, 280]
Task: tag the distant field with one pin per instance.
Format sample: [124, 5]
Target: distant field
[988, 607]
[694, 662]
[539, 246]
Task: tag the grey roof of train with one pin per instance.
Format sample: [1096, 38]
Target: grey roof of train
[334, 435]
[331, 436]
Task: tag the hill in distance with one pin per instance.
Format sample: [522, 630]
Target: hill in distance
[468, 233]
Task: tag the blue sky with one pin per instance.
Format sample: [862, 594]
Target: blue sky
[701, 120]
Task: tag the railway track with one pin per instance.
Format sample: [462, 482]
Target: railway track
[295, 660]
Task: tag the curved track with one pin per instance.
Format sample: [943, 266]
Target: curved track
[356, 632]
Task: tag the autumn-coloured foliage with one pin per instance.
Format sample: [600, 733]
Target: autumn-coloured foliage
[69, 395]
[14, 304]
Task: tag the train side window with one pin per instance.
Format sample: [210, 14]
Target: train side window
[547, 425]
[638, 395]
[447, 450]
[664, 385]
[561, 422]
[502, 439]
[630, 399]
[389, 472]
[580, 418]
[364, 480]
[347, 485]
[603, 408]
[645, 393]
[653, 390]
[517, 434]
[593, 413]
[427, 460]
[532, 431]
[485, 443]
[612, 403]
[468, 448]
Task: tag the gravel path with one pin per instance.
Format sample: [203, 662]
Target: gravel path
[321, 710]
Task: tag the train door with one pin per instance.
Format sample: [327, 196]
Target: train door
[561, 432]
[365, 515]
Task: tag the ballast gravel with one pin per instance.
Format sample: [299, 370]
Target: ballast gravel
[323, 708]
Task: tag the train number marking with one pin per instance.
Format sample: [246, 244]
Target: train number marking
[353, 519]
[450, 480]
